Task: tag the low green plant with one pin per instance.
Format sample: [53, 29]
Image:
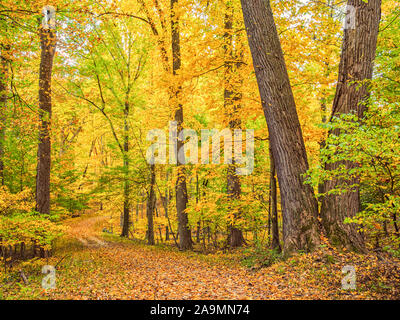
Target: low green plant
[260, 257]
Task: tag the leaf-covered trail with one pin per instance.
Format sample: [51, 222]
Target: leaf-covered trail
[86, 232]
[125, 270]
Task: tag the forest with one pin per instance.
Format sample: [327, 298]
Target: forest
[199, 149]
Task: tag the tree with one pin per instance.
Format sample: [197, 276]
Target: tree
[185, 239]
[112, 71]
[274, 205]
[232, 97]
[48, 46]
[3, 105]
[151, 204]
[352, 93]
[299, 206]
[125, 226]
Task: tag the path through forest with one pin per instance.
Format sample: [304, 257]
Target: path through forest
[95, 266]
[122, 270]
[86, 233]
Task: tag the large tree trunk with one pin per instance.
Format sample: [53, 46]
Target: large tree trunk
[299, 206]
[151, 203]
[48, 44]
[3, 107]
[356, 66]
[274, 205]
[232, 97]
[185, 239]
[125, 226]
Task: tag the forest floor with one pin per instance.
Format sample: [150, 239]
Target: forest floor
[91, 264]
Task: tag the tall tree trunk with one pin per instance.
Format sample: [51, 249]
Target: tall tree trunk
[299, 206]
[151, 203]
[185, 239]
[274, 205]
[125, 226]
[197, 201]
[235, 236]
[356, 66]
[3, 106]
[166, 201]
[232, 97]
[48, 45]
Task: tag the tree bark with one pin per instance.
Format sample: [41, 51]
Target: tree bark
[151, 202]
[3, 106]
[356, 66]
[166, 201]
[185, 239]
[125, 226]
[48, 45]
[299, 206]
[274, 205]
[235, 236]
[197, 201]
